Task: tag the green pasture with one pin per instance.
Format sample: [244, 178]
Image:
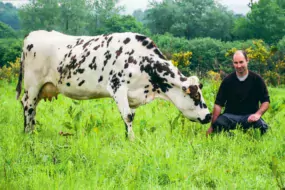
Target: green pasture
[169, 152]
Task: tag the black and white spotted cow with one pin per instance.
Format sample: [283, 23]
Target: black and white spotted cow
[125, 66]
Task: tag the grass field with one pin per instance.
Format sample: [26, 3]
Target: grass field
[169, 152]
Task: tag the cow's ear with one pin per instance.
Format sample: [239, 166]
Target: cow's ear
[186, 90]
[201, 86]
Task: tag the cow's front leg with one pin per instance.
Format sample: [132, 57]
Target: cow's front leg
[121, 98]
[29, 102]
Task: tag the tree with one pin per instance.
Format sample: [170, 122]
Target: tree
[9, 15]
[266, 21]
[6, 31]
[190, 19]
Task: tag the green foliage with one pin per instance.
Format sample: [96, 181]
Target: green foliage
[118, 23]
[266, 21]
[6, 31]
[190, 19]
[78, 17]
[11, 71]
[167, 153]
[9, 15]
[10, 49]
[206, 54]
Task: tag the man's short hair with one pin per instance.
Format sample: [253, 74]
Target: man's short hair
[243, 52]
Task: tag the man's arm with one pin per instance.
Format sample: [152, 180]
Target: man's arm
[262, 109]
[216, 112]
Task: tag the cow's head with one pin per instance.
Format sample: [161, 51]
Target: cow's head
[189, 100]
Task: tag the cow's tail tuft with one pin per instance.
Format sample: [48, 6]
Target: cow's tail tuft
[19, 85]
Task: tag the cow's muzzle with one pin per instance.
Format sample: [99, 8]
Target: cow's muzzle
[207, 119]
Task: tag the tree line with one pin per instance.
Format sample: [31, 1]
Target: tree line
[205, 28]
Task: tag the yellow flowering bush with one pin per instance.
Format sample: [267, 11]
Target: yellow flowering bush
[11, 71]
[212, 75]
[181, 59]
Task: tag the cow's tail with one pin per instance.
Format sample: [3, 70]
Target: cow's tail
[19, 85]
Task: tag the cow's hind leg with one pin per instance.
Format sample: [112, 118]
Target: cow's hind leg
[29, 102]
[121, 98]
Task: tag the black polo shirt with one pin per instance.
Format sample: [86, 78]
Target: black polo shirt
[242, 97]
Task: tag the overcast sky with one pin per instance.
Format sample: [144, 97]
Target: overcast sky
[238, 6]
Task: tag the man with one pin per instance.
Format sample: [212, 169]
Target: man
[240, 93]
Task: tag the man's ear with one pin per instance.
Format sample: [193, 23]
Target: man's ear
[186, 90]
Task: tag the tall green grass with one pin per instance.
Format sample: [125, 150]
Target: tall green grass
[169, 152]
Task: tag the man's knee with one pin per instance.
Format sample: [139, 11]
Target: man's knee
[261, 125]
[221, 124]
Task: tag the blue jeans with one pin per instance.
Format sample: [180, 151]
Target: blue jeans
[226, 122]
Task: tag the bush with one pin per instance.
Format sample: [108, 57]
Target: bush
[10, 49]
[11, 71]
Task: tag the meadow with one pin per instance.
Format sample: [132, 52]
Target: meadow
[82, 145]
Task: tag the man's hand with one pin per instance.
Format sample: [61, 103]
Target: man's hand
[253, 118]
[209, 131]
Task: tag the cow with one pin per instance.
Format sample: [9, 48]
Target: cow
[127, 67]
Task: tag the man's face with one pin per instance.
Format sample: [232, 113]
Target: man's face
[240, 64]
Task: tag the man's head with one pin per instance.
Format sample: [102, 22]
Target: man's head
[240, 62]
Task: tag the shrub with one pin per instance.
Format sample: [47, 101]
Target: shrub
[182, 61]
[10, 72]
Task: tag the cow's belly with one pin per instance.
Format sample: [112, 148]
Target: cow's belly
[83, 93]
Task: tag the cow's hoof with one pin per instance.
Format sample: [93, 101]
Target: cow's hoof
[131, 137]
[29, 130]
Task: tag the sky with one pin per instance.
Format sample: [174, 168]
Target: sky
[238, 6]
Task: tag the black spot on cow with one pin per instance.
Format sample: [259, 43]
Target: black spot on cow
[81, 82]
[158, 81]
[96, 47]
[111, 72]
[146, 91]
[145, 42]
[150, 45]
[131, 117]
[130, 75]
[146, 86]
[79, 42]
[69, 46]
[195, 95]
[68, 84]
[120, 74]
[29, 47]
[128, 82]
[115, 83]
[81, 71]
[35, 54]
[119, 51]
[100, 79]
[70, 53]
[109, 40]
[93, 65]
[130, 53]
[87, 43]
[126, 66]
[131, 59]
[107, 57]
[140, 38]
[127, 40]
[114, 62]
[157, 52]
[30, 111]
[182, 79]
